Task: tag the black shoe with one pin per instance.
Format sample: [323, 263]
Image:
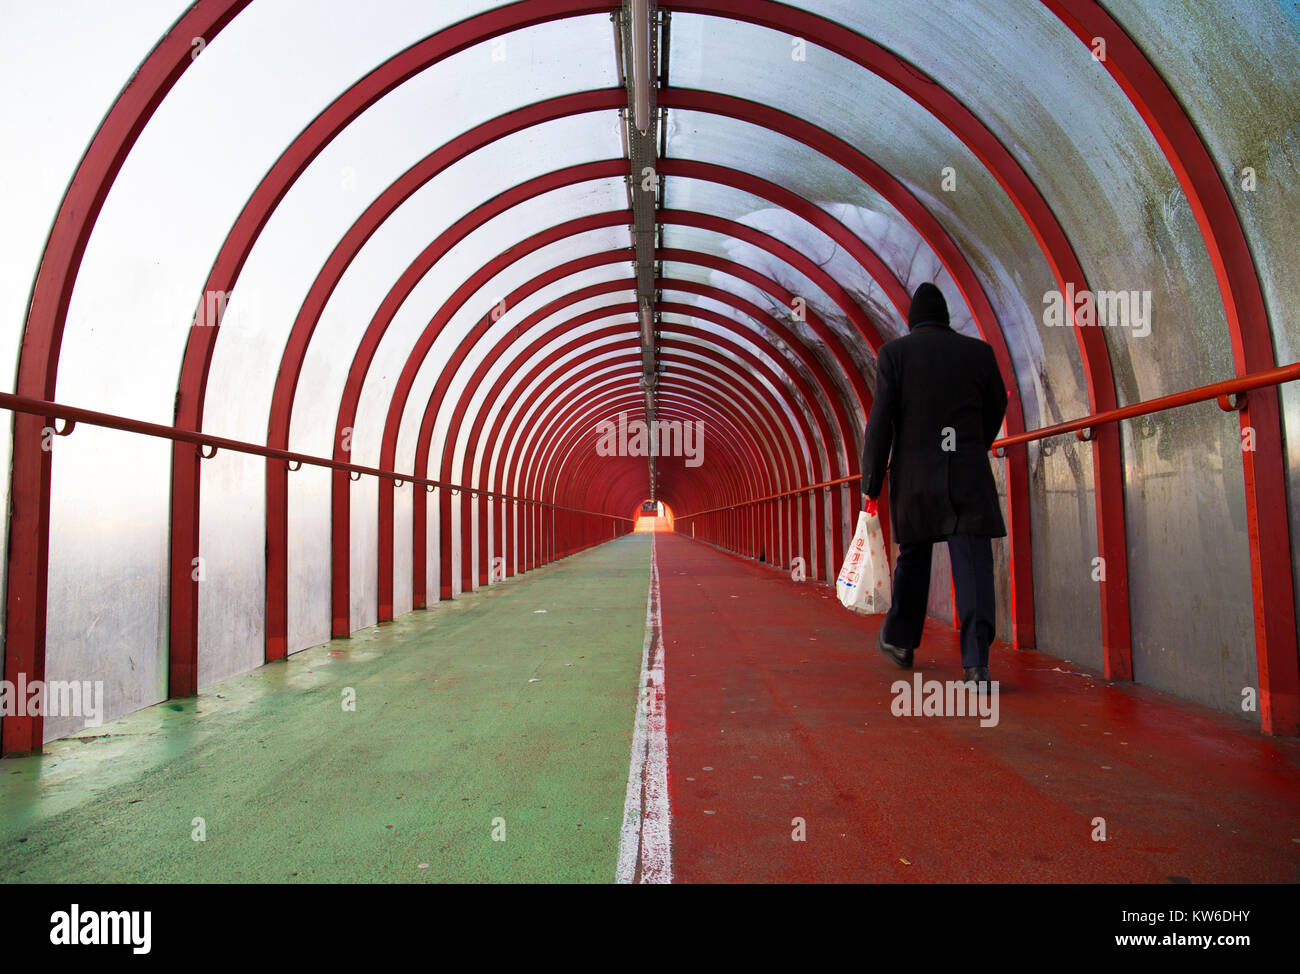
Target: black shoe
[979, 675]
[903, 657]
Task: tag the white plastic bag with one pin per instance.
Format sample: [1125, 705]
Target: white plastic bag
[863, 583]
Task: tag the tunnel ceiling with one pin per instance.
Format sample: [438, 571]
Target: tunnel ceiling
[408, 232]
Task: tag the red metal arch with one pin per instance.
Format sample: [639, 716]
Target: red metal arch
[549, 462]
[472, 461]
[759, 430]
[495, 395]
[736, 449]
[510, 458]
[427, 426]
[166, 63]
[595, 404]
[740, 454]
[406, 380]
[599, 493]
[435, 401]
[566, 414]
[1246, 312]
[591, 469]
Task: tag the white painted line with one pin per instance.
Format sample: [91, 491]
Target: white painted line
[645, 853]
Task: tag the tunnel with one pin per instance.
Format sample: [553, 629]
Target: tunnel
[449, 417]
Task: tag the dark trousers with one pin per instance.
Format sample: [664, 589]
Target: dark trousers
[972, 577]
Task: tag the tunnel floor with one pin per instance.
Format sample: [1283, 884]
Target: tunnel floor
[491, 735]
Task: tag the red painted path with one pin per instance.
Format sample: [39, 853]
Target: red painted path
[779, 708]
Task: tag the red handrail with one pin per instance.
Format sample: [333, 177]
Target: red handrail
[75, 414]
[1216, 390]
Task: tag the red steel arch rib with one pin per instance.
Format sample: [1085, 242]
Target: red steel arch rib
[771, 429]
[474, 475]
[341, 599]
[1264, 470]
[742, 448]
[592, 402]
[680, 168]
[28, 551]
[448, 374]
[586, 465]
[505, 411]
[38, 363]
[943, 105]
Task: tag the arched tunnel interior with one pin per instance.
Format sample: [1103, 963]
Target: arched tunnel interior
[336, 326]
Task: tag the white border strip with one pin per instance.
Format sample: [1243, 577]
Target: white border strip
[645, 852]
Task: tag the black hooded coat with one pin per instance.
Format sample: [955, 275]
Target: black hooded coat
[939, 403]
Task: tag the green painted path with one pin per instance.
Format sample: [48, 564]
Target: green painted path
[449, 743]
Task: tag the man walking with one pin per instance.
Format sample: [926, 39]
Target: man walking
[938, 406]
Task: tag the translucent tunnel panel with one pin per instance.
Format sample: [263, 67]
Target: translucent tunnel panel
[755, 258]
[692, 330]
[447, 276]
[434, 369]
[547, 423]
[456, 192]
[857, 351]
[1188, 553]
[57, 111]
[512, 366]
[460, 264]
[878, 119]
[789, 402]
[842, 268]
[607, 373]
[1247, 118]
[872, 300]
[805, 171]
[810, 342]
[685, 363]
[518, 275]
[794, 231]
[552, 383]
[1101, 171]
[698, 331]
